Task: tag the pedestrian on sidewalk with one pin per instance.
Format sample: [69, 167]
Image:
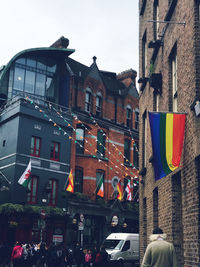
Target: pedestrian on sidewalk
[159, 252]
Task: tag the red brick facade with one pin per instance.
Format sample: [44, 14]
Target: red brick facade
[112, 122]
[172, 202]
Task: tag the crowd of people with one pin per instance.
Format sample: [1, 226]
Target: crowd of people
[39, 255]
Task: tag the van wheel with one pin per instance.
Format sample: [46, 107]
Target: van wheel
[120, 263]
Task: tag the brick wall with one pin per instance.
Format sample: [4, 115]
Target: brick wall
[115, 135]
[178, 194]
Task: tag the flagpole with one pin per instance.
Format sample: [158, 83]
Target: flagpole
[169, 112]
[5, 177]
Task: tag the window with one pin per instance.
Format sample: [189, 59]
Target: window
[137, 120]
[101, 142]
[156, 18]
[52, 196]
[55, 151]
[126, 246]
[174, 82]
[88, 101]
[78, 181]
[135, 156]
[173, 93]
[144, 140]
[98, 105]
[127, 151]
[155, 207]
[35, 76]
[144, 55]
[80, 140]
[99, 176]
[128, 117]
[35, 146]
[156, 98]
[32, 187]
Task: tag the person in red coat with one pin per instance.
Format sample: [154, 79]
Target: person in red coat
[16, 256]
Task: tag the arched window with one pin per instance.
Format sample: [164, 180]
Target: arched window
[33, 188]
[80, 136]
[88, 100]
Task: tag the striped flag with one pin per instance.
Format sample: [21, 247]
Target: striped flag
[100, 192]
[120, 191]
[128, 191]
[167, 135]
[70, 183]
[25, 178]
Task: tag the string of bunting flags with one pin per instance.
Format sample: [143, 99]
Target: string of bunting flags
[116, 167]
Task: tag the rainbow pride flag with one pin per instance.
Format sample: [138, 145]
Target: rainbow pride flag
[167, 135]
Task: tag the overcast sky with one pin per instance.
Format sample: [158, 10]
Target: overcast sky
[107, 29]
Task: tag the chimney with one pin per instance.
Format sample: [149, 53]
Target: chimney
[127, 74]
[62, 42]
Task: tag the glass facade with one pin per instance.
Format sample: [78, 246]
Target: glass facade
[31, 76]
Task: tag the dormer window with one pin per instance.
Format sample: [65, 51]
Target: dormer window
[88, 101]
[98, 105]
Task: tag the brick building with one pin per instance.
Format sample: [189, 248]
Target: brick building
[64, 116]
[169, 82]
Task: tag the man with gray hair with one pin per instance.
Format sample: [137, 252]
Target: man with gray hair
[159, 252]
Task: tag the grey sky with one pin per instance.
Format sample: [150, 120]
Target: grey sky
[107, 29]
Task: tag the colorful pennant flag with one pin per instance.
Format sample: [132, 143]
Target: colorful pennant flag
[128, 191]
[167, 135]
[120, 191]
[70, 183]
[100, 192]
[25, 178]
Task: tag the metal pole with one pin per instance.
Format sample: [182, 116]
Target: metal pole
[169, 22]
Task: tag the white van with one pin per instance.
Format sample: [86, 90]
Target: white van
[122, 247]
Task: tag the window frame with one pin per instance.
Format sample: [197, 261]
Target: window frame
[34, 149]
[98, 105]
[80, 142]
[53, 157]
[78, 183]
[144, 54]
[156, 18]
[127, 152]
[101, 146]
[137, 114]
[88, 101]
[53, 194]
[31, 195]
[129, 118]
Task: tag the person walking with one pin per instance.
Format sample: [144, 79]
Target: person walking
[159, 252]
[16, 256]
[78, 255]
[88, 258]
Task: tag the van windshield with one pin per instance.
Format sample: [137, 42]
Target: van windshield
[113, 244]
